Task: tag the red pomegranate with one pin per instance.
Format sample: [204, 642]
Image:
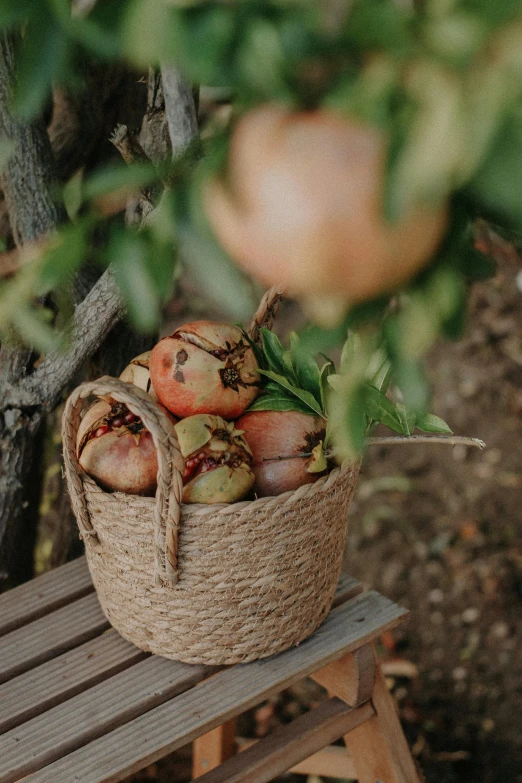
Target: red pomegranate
[302, 206]
[217, 460]
[205, 367]
[275, 439]
[116, 450]
[137, 373]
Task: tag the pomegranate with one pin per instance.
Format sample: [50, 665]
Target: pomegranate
[217, 460]
[276, 438]
[205, 367]
[302, 207]
[137, 373]
[116, 450]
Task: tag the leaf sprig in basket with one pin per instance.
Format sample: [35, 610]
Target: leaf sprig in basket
[294, 381]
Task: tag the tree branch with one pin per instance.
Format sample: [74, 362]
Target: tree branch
[93, 319]
[447, 440]
[180, 109]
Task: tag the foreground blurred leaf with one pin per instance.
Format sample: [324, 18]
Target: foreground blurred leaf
[128, 254]
[63, 258]
[43, 60]
[498, 184]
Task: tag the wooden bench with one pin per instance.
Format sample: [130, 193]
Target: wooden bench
[79, 703]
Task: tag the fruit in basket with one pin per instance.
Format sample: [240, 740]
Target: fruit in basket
[137, 373]
[276, 438]
[205, 367]
[217, 460]
[302, 205]
[116, 450]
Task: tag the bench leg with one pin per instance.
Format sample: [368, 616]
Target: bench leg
[378, 747]
[211, 749]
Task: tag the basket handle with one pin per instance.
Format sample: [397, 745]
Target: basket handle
[167, 510]
[265, 313]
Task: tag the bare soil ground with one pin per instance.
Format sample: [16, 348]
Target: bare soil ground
[439, 530]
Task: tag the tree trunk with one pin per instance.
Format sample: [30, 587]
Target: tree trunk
[27, 186]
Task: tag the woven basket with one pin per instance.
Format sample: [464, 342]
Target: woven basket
[212, 584]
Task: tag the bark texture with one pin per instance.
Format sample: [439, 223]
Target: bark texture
[27, 394]
[27, 186]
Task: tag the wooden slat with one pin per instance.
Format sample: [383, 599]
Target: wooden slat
[44, 594]
[50, 636]
[45, 686]
[92, 714]
[179, 721]
[212, 749]
[379, 748]
[333, 761]
[292, 743]
[347, 587]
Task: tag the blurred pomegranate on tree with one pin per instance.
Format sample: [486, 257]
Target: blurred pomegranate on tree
[302, 205]
[205, 367]
[277, 439]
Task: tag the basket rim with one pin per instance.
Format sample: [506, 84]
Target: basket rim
[322, 485]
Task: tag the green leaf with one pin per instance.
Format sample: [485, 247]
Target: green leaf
[407, 417]
[326, 371]
[306, 369]
[378, 408]
[130, 263]
[63, 259]
[114, 176]
[14, 12]
[150, 32]
[273, 350]
[431, 423]
[303, 395]
[273, 402]
[43, 60]
[350, 353]
[315, 339]
[33, 327]
[411, 380]
[354, 418]
[289, 370]
[498, 184]
[72, 194]
[379, 24]
[382, 377]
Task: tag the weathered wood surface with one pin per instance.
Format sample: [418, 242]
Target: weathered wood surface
[212, 749]
[52, 683]
[50, 636]
[180, 720]
[347, 587]
[378, 747]
[71, 690]
[94, 713]
[292, 743]
[333, 761]
[45, 594]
